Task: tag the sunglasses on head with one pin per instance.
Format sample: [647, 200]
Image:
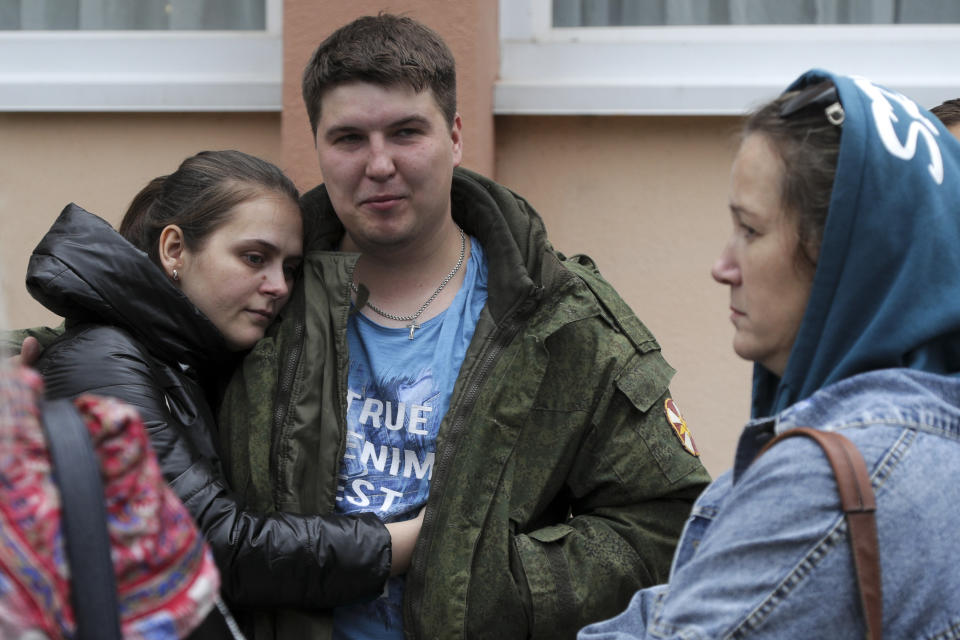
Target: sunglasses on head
[822, 95]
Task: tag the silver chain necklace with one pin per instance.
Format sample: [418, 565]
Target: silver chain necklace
[412, 318]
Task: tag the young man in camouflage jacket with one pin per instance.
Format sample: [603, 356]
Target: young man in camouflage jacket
[561, 474]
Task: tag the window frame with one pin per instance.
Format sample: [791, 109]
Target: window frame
[704, 70]
[144, 70]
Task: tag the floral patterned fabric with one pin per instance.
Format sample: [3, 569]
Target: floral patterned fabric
[166, 580]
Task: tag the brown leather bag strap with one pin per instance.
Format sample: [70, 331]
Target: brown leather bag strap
[859, 505]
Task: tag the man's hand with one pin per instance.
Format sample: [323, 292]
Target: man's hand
[29, 353]
[403, 537]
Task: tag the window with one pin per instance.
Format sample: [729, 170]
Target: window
[115, 55]
[621, 13]
[141, 14]
[699, 60]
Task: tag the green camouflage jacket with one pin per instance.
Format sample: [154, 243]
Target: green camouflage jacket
[559, 486]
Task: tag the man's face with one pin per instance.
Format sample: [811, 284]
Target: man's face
[387, 157]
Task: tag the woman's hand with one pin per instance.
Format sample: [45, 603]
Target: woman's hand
[403, 537]
[29, 353]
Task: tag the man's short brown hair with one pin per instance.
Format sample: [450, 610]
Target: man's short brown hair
[384, 50]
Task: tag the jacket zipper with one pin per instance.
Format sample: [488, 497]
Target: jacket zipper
[342, 368]
[413, 598]
[284, 396]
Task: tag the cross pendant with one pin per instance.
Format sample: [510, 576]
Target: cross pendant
[413, 326]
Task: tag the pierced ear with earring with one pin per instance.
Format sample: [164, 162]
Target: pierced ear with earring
[171, 251]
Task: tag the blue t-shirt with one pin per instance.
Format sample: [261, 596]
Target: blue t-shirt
[398, 391]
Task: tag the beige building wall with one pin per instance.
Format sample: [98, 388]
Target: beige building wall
[644, 196]
[99, 161]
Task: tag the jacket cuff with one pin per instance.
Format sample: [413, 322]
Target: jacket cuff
[545, 582]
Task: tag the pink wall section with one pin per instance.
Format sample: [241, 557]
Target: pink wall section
[644, 196]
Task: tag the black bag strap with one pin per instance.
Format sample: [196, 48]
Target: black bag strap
[859, 506]
[76, 470]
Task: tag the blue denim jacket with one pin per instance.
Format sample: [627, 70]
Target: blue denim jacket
[765, 552]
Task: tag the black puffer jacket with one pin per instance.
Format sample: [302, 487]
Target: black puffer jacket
[133, 335]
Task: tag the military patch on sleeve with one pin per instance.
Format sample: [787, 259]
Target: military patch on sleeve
[680, 427]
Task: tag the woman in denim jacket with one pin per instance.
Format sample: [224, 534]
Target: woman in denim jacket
[844, 276]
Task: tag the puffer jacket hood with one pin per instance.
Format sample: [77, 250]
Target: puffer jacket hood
[888, 272]
[84, 271]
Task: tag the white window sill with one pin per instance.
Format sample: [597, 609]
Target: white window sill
[140, 71]
[720, 70]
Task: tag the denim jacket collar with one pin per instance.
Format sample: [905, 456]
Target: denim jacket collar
[900, 396]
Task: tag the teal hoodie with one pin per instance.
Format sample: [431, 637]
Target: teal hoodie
[877, 300]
